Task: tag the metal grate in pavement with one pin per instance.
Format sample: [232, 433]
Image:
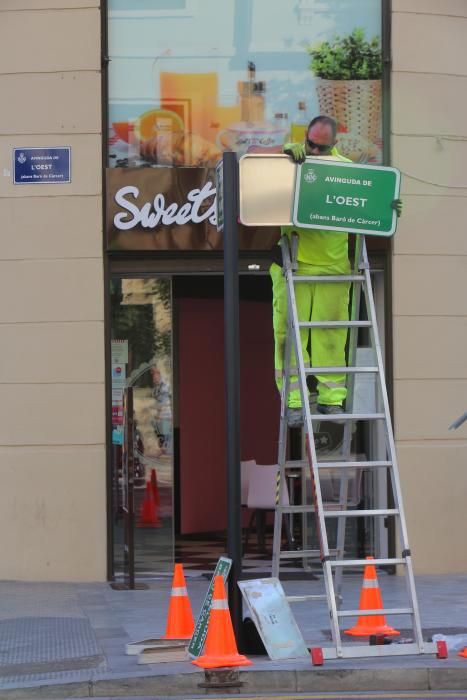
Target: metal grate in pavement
[31, 645]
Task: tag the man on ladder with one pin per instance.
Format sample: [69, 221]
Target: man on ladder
[311, 293]
[319, 253]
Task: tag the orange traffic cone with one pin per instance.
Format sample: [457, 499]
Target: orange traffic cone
[370, 599]
[180, 622]
[220, 649]
[148, 516]
[155, 488]
[463, 653]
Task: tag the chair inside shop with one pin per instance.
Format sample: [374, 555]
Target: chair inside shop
[259, 483]
[330, 481]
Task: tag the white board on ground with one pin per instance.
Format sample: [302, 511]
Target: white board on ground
[274, 619]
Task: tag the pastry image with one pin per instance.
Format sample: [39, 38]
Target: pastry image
[150, 123]
[179, 148]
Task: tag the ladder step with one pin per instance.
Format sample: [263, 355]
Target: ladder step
[304, 598]
[390, 611]
[353, 651]
[360, 513]
[336, 417]
[374, 464]
[308, 508]
[335, 324]
[328, 278]
[366, 562]
[296, 509]
[296, 464]
[340, 370]
[298, 554]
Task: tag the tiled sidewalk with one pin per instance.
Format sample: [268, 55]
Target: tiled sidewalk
[57, 637]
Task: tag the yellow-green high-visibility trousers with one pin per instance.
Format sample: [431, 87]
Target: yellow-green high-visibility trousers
[316, 301]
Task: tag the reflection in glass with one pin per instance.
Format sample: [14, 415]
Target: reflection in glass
[192, 80]
[141, 330]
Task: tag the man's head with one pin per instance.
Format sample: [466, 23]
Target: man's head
[320, 136]
[156, 375]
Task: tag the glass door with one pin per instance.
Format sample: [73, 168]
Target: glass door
[141, 349]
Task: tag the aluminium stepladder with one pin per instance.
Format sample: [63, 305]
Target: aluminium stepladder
[334, 561]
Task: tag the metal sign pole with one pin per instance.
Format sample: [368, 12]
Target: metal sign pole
[128, 499]
[127, 494]
[130, 491]
[229, 187]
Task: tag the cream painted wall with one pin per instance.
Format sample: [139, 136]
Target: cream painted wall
[429, 145]
[52, 433]
[52, 413]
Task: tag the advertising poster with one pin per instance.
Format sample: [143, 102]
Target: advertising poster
[189, 79]
[118, 376]
[119, 352]
[117, 406]
[119, 349]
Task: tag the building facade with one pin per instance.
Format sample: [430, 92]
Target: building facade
[429, 253]
[75, 330]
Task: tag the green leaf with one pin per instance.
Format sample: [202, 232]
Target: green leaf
[347, 58]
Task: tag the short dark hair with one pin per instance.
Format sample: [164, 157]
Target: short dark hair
[323, 119]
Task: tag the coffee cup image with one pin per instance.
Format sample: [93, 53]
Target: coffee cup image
[242, 136]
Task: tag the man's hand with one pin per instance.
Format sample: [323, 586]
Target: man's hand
[397, 205]
[296, 151]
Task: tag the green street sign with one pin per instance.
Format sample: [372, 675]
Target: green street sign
[196, 644]
[338, 196]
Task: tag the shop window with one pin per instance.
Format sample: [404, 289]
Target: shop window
[189, 79]
[141, 348]
[148, 6]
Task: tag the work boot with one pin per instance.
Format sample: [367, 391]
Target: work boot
[294, 417]
[330, 409]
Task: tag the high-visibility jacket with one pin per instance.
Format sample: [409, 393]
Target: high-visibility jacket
[318, 247]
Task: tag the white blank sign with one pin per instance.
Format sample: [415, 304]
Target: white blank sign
[274, 619]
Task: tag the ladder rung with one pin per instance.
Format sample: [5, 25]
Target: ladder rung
[352, 465]
[360, 513]
[296, 464]
[304, 598]
[309, 508]
[299, 554]
[328, 278]
[366, 562]
[340, 370]
[296, 509]
[335, 417]
[354, 651]
[373, 464]
[335, 324]
[391, 611]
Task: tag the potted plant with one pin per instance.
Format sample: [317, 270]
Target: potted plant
[349, 73]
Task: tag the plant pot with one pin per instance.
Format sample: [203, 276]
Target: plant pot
[355, 104]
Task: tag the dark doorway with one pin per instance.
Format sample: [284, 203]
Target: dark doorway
[200, 459]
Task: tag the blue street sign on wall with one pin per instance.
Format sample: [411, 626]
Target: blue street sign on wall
[32, 166]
